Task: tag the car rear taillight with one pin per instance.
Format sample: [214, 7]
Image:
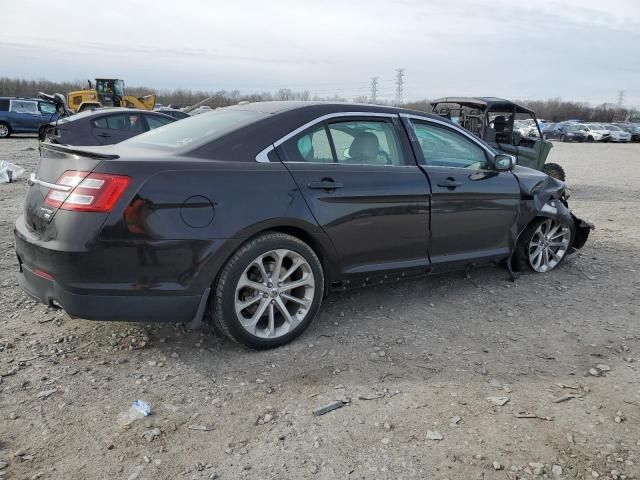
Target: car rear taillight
[89, 192]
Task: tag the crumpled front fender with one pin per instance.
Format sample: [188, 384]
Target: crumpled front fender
[545, 197]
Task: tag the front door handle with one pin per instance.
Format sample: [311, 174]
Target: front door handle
[325, 184]
[450, 183]
[104, 135]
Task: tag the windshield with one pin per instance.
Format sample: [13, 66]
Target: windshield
[195, 131]
[613, 127]
[572, 127]
[596, 126]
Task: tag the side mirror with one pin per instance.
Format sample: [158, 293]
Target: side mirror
[503, 162]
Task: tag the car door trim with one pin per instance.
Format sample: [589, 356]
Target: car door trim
[263, 155]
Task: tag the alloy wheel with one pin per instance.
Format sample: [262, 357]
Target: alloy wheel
[548, 245]
[274, 293]
[4, 131]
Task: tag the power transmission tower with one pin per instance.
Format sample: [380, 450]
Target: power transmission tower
[399, 85]
[620, 98]
[374, 90]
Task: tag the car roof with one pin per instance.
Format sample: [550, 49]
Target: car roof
[25, 98]
[483, 102]
[112, 110]
[280, 107]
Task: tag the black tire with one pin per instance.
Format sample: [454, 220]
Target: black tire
[521, 255]
[224, 291]
[563, 139]
[5, 130]
[590, 139]
[554, 170]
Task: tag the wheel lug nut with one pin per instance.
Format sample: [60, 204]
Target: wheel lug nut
[265, 295]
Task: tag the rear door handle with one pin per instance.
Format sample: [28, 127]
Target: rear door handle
[325, 184]
[450, 183]
[104, 135]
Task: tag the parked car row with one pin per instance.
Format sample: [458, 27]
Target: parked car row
[574, 131]
[99, 126]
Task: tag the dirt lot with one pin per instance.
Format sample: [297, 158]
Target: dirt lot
[417, 361]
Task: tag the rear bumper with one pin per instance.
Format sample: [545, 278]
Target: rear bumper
[145, 308]
[119, 283]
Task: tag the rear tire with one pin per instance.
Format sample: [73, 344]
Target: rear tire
[563, 139]
[256, 302]
[543, 245]
[5, 130]
[590, 139]
[554, 170]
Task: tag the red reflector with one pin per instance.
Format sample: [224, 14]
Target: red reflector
[42, 274]
[90, 192]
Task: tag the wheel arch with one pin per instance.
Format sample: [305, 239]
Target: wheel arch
[311, 234]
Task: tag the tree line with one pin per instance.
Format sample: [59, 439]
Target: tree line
[552, 109]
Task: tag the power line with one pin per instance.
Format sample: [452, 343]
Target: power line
[399, 85]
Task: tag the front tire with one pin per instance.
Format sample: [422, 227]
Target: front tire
[554, 170]
[544, 244]
[268, 292]
[590, 139]
[563, 139]
[5, 130]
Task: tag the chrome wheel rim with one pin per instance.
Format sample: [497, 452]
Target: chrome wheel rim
[548, 245]
[274, 293]
[4, 130]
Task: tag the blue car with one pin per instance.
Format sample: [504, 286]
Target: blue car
[24, 115]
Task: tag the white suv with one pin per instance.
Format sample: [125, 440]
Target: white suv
[596, 132]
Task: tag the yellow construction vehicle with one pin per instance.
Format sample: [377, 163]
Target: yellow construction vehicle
[108, 92]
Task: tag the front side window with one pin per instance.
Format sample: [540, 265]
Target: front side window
[155, 122]
[357, 142]
[47, 108]
[20, 106]
[442, 147]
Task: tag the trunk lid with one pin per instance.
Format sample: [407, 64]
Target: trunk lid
[55, 160]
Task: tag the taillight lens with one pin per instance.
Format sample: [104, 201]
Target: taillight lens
[90, 192]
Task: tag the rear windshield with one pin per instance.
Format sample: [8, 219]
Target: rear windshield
[195, 131]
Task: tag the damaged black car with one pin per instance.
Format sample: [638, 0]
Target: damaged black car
[253, 213]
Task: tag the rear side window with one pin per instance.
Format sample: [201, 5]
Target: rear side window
[347, 142]
[4, 105]
[22, 106]
[125, 121]
[312, 146]
[154, 121]
[366, 142]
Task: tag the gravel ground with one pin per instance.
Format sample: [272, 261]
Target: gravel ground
[419, 362]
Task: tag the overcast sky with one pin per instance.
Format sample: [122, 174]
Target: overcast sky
[525, 49]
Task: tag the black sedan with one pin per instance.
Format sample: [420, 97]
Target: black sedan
[256, 211]
[565, 132]
[103, 126]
